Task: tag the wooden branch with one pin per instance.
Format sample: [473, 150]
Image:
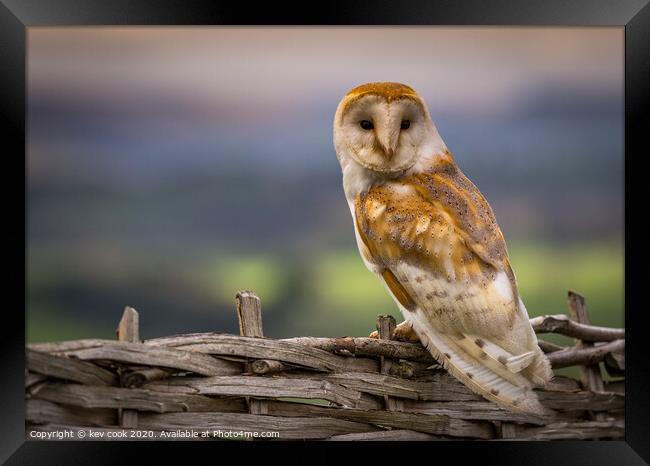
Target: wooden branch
[59, 347]
[41, 411]
[577, 356]
[403, 369]
[272, 387]
[137, 376]
[128, 330]
[387, 435]
[32, 378]
[572, 430]
[69, 369]
[432, 424]
[268, 366]
[563, 325]
[615, 363]
[86, 396]
[549, 347]
[560, 383]
[362, 346]
[476, 410]
[581, 401]
[590, 373]
[258, 348]
[129, 327]
[616, 386]
[249, 312]
[137, 353]
[288, 427]
[439, 386]
[386, 329]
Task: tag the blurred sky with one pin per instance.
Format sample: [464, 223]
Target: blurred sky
[154, 147]
[250, 92]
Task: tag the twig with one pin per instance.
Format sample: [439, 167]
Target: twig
[578, 356]
[563, 325]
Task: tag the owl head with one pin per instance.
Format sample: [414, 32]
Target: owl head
[384, 127]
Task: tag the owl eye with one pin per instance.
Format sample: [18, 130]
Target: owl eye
[367, 125]
[406, 124]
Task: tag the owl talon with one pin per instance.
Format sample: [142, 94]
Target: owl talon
[405, 332]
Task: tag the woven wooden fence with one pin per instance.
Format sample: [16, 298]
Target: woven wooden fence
[215, 386]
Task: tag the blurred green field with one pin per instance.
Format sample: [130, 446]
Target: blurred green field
[328, 294]
[351, 297]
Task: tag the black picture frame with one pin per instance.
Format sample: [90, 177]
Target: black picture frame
[17, 15]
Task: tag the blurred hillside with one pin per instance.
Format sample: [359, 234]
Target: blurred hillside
[168, 168]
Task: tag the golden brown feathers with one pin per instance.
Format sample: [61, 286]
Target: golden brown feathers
[387, 90]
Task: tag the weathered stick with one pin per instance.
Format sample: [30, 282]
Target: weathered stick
[571, 430]
[269, 387]
[249, 312]
[591, 376]
[428, 423]
[128, 330]
[387, 435]
[268, 366]
[137, 353]
[136, 377]
[41, 411]
[564, 326]
[363, 346]
[549, 347]
[143, 399]
[386, 329]
[258, 348]
[69, 369]
[589, 373]
[578, 356]
[288, 427]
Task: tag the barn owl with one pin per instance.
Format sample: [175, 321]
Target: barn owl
[432, 239]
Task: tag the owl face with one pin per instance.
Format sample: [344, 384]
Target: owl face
[382, 126]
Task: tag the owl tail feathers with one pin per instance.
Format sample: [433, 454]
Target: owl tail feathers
[478, 377]
[539, 371]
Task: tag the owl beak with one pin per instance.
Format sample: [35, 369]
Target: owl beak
[388, 142]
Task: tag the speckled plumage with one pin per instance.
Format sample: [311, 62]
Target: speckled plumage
[428, 233]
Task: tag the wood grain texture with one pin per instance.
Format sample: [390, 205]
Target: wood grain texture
[312, 388]
[432, 424]
[289, 427]
[137, 353]
[128, 329]
[85, 396]
[62, 367]
[572, 430]
[42, 411]
[388, 435]
[249, 311]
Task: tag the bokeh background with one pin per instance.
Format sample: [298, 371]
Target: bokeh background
[170, 167]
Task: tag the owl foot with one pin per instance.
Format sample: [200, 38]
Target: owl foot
[403, 332]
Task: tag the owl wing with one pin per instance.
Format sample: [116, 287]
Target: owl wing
[434, 241]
